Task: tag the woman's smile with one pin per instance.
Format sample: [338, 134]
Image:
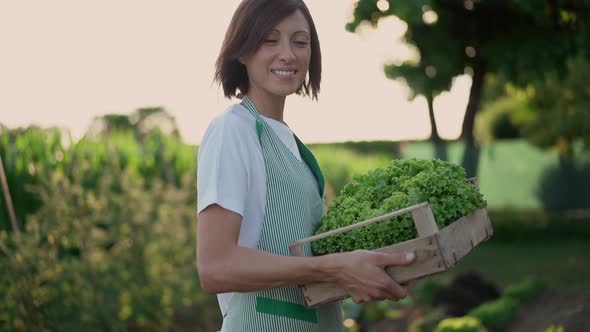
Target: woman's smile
[287, 75]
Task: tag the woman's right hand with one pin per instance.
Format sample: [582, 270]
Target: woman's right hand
[362, 274]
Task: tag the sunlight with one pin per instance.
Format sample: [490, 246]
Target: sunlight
[430, 17]
[449, 108]
[97, 69]
[383, 5]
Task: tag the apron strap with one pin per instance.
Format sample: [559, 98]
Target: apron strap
[312, 163]
[259, 123]
[306, 155]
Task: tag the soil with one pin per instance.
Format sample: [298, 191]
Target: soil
[569, 310]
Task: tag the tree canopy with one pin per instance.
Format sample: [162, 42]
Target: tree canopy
[520, 40]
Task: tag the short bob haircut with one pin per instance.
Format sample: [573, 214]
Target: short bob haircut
[251, 22]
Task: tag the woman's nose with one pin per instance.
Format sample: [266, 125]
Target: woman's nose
[286, 53]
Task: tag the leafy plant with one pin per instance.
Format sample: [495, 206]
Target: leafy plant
[460, 324]
[399, 184]
[427, 322]
[117, 257]
[32, 154]
[498, 314]
[524, 291]
[555, 328]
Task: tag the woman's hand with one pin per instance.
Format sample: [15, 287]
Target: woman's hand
[362, 274]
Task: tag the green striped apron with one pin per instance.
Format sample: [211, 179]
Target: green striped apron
[294, 206]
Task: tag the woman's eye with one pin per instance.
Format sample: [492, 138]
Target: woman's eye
[302, 43]
[270, 40]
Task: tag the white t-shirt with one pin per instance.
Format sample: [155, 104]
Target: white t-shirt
[232, 174]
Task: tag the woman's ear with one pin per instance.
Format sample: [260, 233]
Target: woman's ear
[242, 59]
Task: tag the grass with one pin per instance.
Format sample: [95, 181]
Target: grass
[512, 174]
[560, 264]
[339, 164]
[509, 172]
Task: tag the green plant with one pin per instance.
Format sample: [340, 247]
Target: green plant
[524, 291]
[427, 322]
[424, 294]
[32, 154]
[498, 314]
[113, 258]
[496, 120]
[555, 328]
[460, 324]
[399, 184]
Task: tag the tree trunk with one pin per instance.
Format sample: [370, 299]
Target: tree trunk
[471, 154]
[434, 137]
[440, 148]
[479, 72]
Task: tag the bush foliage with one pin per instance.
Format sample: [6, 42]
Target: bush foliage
[113, 258]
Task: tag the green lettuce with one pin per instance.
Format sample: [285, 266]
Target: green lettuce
[401, 183]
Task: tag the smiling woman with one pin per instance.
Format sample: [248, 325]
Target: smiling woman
[286, 51]
[260, 188]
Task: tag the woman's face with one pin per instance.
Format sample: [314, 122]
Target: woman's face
[280, 65]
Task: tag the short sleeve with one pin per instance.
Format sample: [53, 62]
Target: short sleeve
[222, 170]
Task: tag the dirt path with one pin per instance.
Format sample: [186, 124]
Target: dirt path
[572, 311]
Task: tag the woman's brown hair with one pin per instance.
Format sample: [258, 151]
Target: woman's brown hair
[251, 22]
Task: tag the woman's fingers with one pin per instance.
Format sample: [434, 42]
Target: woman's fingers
[365, 278]
[385, 259]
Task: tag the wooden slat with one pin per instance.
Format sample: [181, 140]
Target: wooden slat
[429, 259]
[360, 224]
[296, 249]
[424, 221]
[463, 235]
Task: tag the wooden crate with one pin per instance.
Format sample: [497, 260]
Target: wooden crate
[436, 250]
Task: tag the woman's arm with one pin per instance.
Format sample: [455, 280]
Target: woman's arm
[223, 266]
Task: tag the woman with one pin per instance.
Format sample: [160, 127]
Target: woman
[260, 188]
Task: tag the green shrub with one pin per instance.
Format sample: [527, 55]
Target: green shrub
[524, 291]
[399, 184]
[498, 314]
[428, 322]
[105, 260]
[425, 294]
[496, 121]
[461, 324]
[555, 328]
[31, 154]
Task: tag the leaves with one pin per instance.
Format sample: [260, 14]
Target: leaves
[397, 185]
[98, 259]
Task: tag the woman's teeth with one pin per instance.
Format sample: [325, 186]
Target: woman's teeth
[284, 73]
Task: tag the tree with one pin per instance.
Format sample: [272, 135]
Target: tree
[559, 113]
[552, 113]
[141, 122]
[518, 39]
[429, 86]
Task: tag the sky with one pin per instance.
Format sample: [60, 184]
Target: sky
[64, 62]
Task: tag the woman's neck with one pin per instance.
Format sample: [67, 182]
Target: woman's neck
[270, 106]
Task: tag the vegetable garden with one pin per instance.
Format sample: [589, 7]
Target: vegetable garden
[107, 239]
